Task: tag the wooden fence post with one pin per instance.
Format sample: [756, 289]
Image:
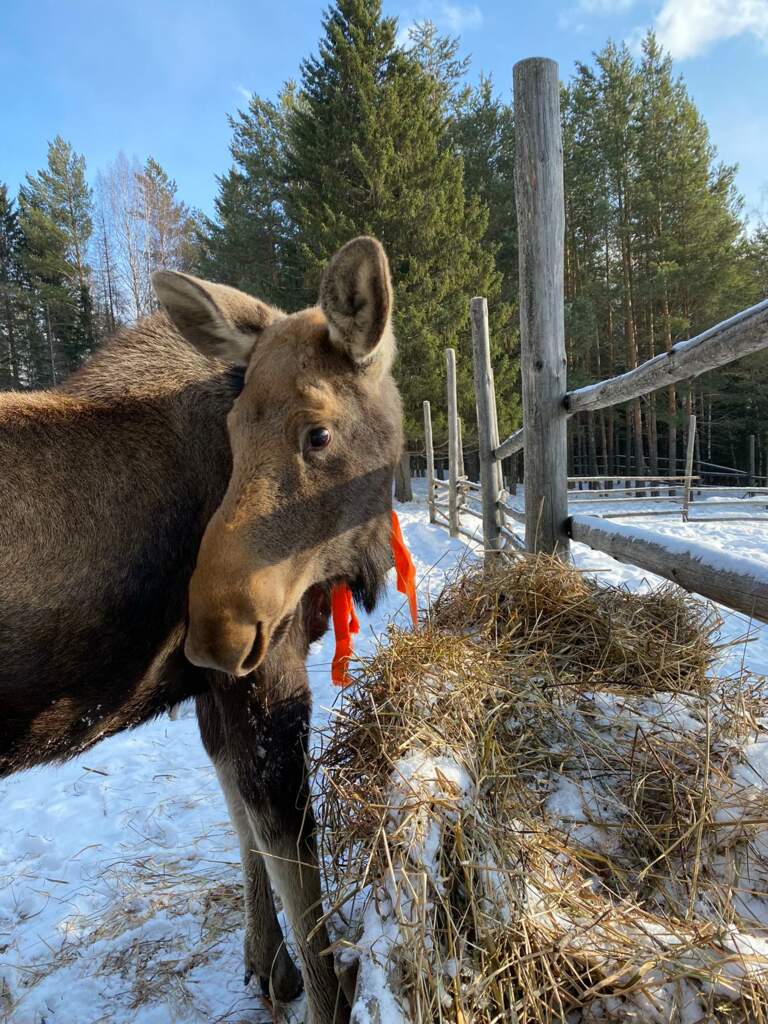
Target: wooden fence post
[689, 450]
[453, 443]
[462, 471]
[541, 240]
[487, 429]
[752, 480]
[430, 452]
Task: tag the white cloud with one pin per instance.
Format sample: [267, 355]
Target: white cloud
[449, 17]
[688, 28]
[573, 17]
[604, 6]
[459, 19]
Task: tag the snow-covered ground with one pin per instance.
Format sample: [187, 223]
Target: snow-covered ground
[119, 877]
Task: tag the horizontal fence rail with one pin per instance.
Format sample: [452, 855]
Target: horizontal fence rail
[741, 335]
[728, 579]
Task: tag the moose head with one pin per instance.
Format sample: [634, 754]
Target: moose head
[315, 434]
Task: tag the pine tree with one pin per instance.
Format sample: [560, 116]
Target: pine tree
[12, 288]
[56, 208]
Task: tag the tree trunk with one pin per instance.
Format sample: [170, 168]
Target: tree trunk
[12, 351]
[403, 490]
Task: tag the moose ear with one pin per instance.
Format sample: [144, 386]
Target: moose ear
[222, 322]
[356, 297]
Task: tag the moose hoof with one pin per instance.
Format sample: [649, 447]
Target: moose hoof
[282, 989]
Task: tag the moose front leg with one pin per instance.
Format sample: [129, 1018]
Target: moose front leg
[287, 836]
[259, 744]
[265, 954]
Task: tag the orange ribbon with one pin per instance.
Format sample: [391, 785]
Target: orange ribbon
[345, 621]
[344, 625]
[406, 570]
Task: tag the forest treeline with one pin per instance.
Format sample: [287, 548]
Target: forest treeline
[388, 138]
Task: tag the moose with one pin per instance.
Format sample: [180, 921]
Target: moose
[172, 520]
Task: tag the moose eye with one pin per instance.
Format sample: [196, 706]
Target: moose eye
[319, 437]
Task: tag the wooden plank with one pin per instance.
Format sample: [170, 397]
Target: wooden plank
[618, 500]
[728, 519]
[487, 429]
[729, 503]
[541, 247]
[461, 447]
[739, 336]
[515, 514]
[513, 539]
[472, 534]
[430, 452]
[610, 494]
[640, 479]
[690, 446]
[731, 580]
[514, 443]
[453, 443]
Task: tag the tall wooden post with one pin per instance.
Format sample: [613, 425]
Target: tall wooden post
[541, 241]
[453, 443]
[689, 450]
[430, 452]
[487, 429]
[752, 478]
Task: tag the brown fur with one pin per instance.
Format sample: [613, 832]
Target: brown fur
[109, 485]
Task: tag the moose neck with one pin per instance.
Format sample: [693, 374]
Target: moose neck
[111, 479]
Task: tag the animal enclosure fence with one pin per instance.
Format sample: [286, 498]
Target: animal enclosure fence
[547, 403]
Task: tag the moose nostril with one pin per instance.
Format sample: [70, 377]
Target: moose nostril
[257, 652]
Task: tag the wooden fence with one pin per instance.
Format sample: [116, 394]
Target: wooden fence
[547, 403]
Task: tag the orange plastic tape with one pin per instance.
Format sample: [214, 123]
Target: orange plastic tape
[345, 621]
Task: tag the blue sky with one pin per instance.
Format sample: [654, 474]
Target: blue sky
[154, 77]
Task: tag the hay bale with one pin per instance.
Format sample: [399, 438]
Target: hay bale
[540, 807]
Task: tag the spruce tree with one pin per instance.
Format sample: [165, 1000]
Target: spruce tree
[247, 244]
[483, 132]
[368, 152]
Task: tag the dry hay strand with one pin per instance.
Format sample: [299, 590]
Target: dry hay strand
[535, 809]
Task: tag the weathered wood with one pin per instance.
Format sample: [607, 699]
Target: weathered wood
[593, 479]
[689, 450]
[731, 580]
[453, 442]
[430, 452]
[728, 519]
[541, 243]
[513, 513]
[462, 472]
[514, 443]
[513, 539]
[739, 336]
[751, 458]
[487, 430]
[587, 499]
